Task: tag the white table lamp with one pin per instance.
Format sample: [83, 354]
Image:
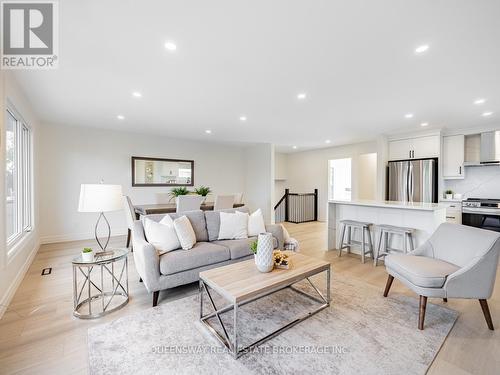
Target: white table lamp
[100, 198]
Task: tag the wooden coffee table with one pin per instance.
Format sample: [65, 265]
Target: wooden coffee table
[241, 283]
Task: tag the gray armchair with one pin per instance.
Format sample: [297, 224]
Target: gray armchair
[457, 261]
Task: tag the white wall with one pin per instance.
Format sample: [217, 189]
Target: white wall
[309, 170]
[280, 166]
[14, 266]
[479, 182]
[259, 179]
[71, 156]
[280, 175]
[367, 176]
[382, 158]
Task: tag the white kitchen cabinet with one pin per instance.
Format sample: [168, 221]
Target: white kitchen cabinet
[400, 149]
[453, 212]
[453, 156]
[426, 147]
[414, 148]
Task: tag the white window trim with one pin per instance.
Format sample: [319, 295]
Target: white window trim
[14, 243]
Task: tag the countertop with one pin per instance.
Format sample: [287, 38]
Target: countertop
[451, 200]
[391, 204]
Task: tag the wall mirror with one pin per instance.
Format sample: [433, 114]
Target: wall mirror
[162, 172]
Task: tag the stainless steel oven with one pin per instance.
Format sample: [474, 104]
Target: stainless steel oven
[481, 213]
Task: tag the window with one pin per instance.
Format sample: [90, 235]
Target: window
[339, 182]
[18, 181]
[11, 175]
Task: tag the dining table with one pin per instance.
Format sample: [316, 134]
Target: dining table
[167, 208]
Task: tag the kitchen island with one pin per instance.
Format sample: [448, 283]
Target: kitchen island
[423, 217]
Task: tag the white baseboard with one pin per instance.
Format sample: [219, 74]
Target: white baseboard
[77, 236]
[7, 298]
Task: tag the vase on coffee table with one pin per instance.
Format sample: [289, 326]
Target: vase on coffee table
[264, 256]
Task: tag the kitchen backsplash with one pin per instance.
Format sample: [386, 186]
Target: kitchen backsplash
[479, 182]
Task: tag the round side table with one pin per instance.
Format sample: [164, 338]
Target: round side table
[101, 294]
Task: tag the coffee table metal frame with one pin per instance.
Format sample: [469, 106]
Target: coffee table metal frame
[104, 263]
[232, 345]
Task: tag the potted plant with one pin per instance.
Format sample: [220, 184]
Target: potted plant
[175, 192]
[253, 247]
[87, 254]
[449, 194]
[203, 191]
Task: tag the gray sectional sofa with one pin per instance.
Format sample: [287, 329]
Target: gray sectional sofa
[180, 267]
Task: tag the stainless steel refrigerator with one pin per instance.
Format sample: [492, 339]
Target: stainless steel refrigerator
[412, 181]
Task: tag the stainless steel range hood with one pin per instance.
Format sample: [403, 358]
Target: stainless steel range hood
[490, 147]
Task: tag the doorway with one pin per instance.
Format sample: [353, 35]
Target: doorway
[339, 179]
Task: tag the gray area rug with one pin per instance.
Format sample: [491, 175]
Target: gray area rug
[361, 332]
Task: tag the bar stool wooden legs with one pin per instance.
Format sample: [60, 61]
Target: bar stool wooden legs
[347, 241]
[383, 245]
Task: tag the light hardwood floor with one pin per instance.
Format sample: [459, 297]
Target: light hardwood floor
[38, 333]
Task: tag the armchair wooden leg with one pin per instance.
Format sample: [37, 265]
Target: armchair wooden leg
[445, 300]
[155, 298]
[421, 315]
[390, 279]
[486, 312]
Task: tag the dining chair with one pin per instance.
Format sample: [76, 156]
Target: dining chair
[188, 202]
[130, 216]
[162, 198]
[457, 261]
[223, 202]
[238, 198]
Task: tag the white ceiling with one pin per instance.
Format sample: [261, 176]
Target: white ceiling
[355, 60]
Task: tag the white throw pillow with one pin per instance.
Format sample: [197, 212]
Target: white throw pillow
[233, 226]
[185, 232]
[256, 224]
[161, 235]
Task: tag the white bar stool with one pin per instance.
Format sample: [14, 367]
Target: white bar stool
[386, 231]
[346, 243]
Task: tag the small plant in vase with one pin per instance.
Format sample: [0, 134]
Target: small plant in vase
[449, 194]
[176, 192]
[253, 247]
[87, 254]
[203, 191]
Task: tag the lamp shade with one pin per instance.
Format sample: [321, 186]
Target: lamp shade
[100, 198]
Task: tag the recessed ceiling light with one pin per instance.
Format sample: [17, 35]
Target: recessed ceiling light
[479, 101]
[424, 124]
[170, 46]
[208, 131]
[328, 141]
[294, 147]
[243, 118]
[421, 49]
[301, 96]
[486, 114]
[409, 115]
[120, 117]
[137, 94]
